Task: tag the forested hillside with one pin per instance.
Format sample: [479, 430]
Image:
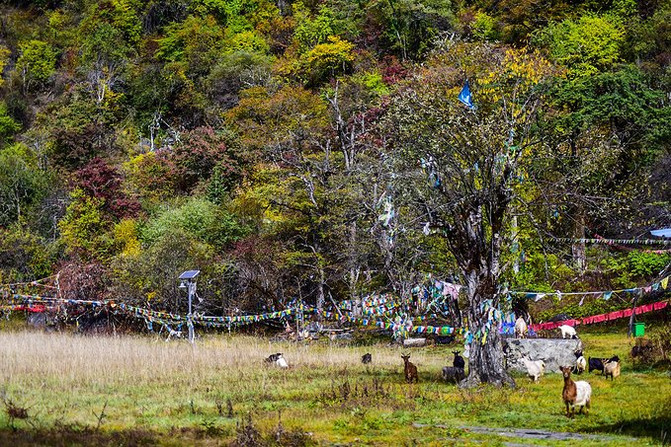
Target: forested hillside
[276, 145]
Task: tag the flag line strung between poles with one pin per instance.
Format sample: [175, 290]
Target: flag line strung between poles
[376, 304]
[600, 318]
[37, 303]
[601, 240]
[653, 287]
[398, 325]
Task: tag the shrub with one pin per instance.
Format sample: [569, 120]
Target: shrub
[200, 219]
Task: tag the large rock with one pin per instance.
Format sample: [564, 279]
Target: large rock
[555, 352]
[414, 342]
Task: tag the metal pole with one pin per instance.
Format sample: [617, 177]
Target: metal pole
[189, 320]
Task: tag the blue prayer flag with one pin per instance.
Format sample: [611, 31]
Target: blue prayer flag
[466, 97]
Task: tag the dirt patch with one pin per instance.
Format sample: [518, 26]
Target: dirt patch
[528, 433]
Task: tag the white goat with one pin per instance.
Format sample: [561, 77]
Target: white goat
[612, 369]
[535, 368]
[567, 331]
[281, 362]
[521, 328]
[580, 364]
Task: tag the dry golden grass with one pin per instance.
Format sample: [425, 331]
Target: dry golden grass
[110, 359]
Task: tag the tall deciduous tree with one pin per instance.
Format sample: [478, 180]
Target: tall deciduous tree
[458, 166]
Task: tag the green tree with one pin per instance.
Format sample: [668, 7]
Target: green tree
[36, 63]
[84, 227]
[312, 31]
[22, 183]
[24, 256]
[408, 27]
[459, 167]
[8, 126]
[584, 46]
[4, 58]
[201, 219]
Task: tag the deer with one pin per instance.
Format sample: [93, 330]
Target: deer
[410, 369]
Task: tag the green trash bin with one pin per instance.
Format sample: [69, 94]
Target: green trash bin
[639, 329]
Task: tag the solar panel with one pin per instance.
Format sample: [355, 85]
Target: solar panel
[189, 274]
[665, 232]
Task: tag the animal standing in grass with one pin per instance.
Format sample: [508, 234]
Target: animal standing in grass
[580, 362]
[567, 331]
[277, 359]
[458, 361]
[272, 358]
[535, 368]
[452, 374]
[612, 369]
[366, 358]
[575, 394]
[410, 369]
[597, 364]
[281, 362]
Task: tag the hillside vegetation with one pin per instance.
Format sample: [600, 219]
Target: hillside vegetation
[264, 142]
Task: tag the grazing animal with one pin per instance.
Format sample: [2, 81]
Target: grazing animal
[575, 394]
[444, 339]
[521, 328]
[281, 362]
[366, 358]
[535, 368]
[410, 369]
[567, 331]
[458, 361]
[272, 358]
[594, 364]
[453, 374]
[612, 369]
[580, 362]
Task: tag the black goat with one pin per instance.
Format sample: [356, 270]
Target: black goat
[458, 361]
[453, 374]
[595, 364]
[366, 358]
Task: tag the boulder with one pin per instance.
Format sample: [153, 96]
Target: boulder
[555, 352]
[414, 342]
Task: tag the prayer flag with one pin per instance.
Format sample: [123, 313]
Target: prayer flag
[466, 97]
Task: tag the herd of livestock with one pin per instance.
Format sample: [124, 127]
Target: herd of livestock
[575, 394]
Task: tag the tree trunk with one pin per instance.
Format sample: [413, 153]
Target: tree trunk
[321, 296]
[578, 248]
[485, 362]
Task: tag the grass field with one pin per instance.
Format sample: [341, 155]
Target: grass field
[145, 391]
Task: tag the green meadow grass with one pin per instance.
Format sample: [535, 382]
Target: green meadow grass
[167, 393]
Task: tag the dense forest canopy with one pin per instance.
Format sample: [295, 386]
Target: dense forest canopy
[280, 146]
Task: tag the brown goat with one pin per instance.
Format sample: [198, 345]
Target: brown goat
[575, 394]
[410, 369]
